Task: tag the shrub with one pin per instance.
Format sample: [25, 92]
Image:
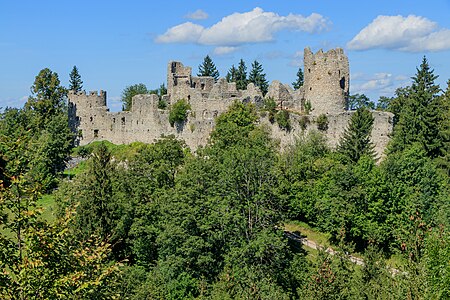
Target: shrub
[282, 118]
[179, 112]
[270, 106]
[308, 107]
[322, 122]
[304, 121]
[162, 104]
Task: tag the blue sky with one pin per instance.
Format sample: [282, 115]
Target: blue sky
[119, 43]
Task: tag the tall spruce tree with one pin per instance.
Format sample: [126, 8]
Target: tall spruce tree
[258, 78]
[208, 68]
[355, 142]
[420, 114]
[300, 79]
[241, 76]
[75, 83]
[231, 75]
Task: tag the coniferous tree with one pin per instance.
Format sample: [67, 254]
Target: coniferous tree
[231, 75]
[208, 68]
[420, 114]
[258, 78]
[75, 83]
[355, 141]
[241, 76]
[300, 79]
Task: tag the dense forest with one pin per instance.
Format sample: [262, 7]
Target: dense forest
[159, 221]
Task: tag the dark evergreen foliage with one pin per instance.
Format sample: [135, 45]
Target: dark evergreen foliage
[241, 76]
[300, 79]
[129, 92]
[75, 82]
[355, 141]
[208, 68]
[258, 77]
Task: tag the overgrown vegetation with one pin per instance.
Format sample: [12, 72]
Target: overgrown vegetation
[322, 122]
[179, 112]
[154, 221]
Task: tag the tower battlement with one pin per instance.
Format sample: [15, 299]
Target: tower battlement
[326, 84]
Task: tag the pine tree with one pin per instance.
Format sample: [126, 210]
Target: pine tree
[75, 83]
[231, 75]
[258, 78]
[241, 76]
[420, 114]
[300, 80]
[208, 68]
[355, 142]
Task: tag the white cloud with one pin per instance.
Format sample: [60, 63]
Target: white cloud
[297, 59]
[197, 15]
[224, 50]
[184, 33]
[240, 28]
[379, 83]
[411, 34]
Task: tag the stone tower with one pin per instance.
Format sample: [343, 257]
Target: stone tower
[326, 80]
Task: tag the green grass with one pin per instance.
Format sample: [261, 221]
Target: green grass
[47, 202]
[310, 233]
[120, 152]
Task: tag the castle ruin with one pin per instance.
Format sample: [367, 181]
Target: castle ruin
[324, 93]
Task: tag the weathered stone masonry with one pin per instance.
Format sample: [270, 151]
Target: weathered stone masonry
[325, 89]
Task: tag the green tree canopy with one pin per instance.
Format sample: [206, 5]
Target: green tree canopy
[355, 142]
[420, 113]
[75, 83]
[208, 68]
[231, 74]
[359, 100]
[241, 76]
[47, 97]
[300, 79]
[258, 77]
[129, 92]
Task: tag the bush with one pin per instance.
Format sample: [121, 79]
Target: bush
[179, 112]
[270, 106]
[282, 118]
[304, 121]
[322, 122]
[162, 104]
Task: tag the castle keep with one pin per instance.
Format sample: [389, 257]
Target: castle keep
[325, 92]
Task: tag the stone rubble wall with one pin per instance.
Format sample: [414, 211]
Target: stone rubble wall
[326, 88]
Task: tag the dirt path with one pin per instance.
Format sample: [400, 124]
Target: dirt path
[313, 245]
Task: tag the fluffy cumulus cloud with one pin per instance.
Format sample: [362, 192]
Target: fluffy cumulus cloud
[411, 34]
[383, 84]
[241, 28]
[197, 15]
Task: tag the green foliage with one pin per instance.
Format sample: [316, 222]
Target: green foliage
[322, 122]
[241, 76]
[75, 82]
[235, 124]
[299, 80]
[47, 98]
[270, 106]
[308, 107]
[420, 114]
[258, 78]
[304, 122]
[282, 118]
[179, 112]
[162, 104]
[208, 68]
[359, 101]
[384, 103]
[355, 142]
[129, 92]
[231, 74]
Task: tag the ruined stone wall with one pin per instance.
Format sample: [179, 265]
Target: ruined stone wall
[326, 87]
[326, 80]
